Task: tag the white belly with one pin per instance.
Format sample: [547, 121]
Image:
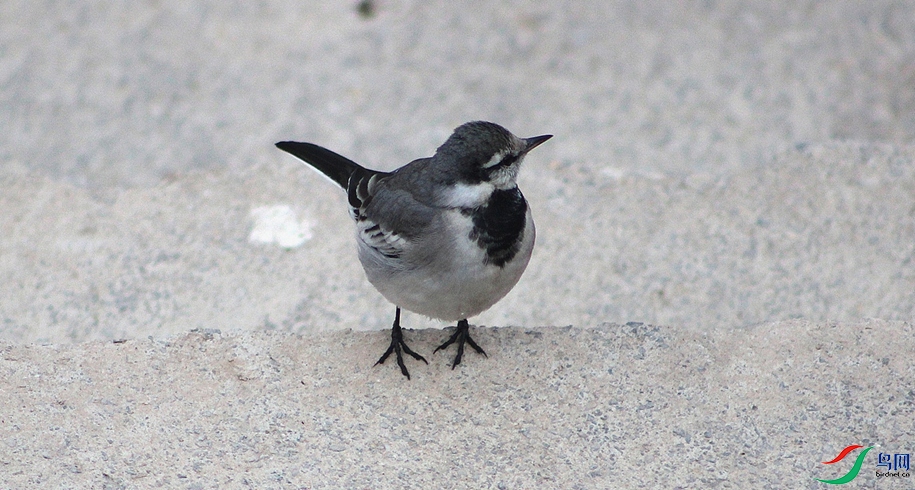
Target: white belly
[453, 283]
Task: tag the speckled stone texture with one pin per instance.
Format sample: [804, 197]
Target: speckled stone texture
[611, 406]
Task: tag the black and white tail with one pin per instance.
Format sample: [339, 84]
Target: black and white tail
[356, 180]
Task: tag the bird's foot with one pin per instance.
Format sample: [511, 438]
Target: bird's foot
[461, 336]
[398, 346]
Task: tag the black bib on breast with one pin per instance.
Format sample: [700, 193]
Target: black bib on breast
[498, 225]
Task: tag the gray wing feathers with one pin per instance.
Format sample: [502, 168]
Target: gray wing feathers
[391, 221]
[386, 221]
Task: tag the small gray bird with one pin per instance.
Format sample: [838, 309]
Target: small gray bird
[446, 236]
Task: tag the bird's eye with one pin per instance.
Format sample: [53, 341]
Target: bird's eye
[508, 160]
[500, 160]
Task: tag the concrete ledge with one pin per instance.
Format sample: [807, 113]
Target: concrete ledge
[624, 406]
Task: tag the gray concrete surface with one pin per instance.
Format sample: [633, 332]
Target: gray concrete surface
[107, 94]
[741, 174]
[614, 406]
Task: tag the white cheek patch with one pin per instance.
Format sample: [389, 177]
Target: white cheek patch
[467, 195]
[505, 177]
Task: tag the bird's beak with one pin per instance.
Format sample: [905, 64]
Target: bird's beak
[531, 143]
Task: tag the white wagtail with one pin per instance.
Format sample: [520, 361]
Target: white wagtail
[446, 236]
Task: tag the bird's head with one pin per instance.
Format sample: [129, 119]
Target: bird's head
[482, 152]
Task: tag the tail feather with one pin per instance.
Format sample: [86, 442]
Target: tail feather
[335, 166]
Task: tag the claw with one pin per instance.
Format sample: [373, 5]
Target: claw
[461, 335]
[398, 346]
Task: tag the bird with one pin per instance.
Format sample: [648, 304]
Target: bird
[445, 236]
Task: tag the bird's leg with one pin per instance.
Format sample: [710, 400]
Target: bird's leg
[461, 335]
[398, 345]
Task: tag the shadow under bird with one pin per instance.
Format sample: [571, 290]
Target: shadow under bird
[446, 236]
